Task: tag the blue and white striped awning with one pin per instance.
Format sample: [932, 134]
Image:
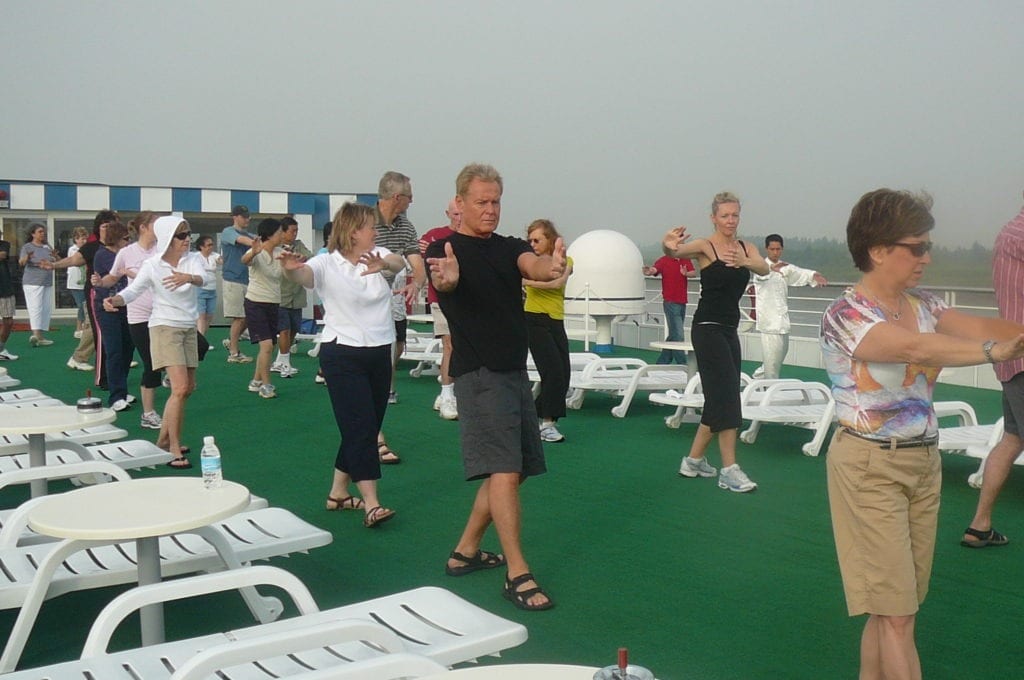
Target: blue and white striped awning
[67, 196]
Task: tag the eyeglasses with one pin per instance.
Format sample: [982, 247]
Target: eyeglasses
[182, 235]
[916, 249]
[534, 240]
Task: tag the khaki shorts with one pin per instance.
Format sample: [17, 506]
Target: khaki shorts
[234, 300]
[440, 321]
[6, 305]
[885, 508]
[170, 346]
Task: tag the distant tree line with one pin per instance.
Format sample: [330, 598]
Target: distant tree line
[964, 266]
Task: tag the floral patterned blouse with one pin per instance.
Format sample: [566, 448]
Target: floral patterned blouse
[881, 400]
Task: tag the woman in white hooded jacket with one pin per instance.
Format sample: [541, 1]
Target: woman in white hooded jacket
[174, 275]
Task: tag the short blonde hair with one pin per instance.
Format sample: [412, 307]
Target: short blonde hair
[349, 218]
[480, 171]
[723, 197]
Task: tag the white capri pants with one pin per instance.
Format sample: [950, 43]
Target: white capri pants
[40, 306]
[774, 347]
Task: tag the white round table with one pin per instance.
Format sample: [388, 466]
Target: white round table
[680, 346]
[36, 423]
[139, 509]
[519, 671]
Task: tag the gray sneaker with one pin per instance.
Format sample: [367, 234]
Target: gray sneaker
[255, 385]
[550, 433]
[734, 479]
[696, 467]
[267, 391]
[239, 358]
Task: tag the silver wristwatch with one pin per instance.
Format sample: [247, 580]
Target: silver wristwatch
[986, 347]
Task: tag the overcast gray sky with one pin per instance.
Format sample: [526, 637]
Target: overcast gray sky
[599, 114]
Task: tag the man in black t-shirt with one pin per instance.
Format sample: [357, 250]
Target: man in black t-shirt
[478, 277]
[6, 301]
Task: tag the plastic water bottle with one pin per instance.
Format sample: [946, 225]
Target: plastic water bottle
[209, 461]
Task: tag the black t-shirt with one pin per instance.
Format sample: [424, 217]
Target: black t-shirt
[6, 286]
[485, 311]
[88, 253]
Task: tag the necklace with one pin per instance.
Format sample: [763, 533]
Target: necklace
[894, 315]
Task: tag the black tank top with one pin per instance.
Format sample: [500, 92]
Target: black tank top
[721, 288]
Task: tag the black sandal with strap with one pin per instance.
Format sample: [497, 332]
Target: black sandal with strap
[521, 598]
[483, 559]
[986, 539]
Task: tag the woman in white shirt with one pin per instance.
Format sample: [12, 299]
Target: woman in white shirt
[355, 354]
[173, 275]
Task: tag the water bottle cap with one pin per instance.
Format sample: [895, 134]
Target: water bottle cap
[208, 440]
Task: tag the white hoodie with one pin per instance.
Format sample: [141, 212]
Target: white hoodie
[171, 307]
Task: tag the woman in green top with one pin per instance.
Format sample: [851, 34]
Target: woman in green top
[549, 346]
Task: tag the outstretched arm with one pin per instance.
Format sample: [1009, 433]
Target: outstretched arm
[543, 267]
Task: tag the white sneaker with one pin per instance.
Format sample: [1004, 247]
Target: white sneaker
[696, 467]
[550, 433]
[78, 365]
[392, 397]
[133, 364]
[120, 405]
[267, 391]
[449, 409]
[130, 399]
[437, 403]
[5, 355]
[166, 382]
[150, 420]
[319, 379]
[734, 479]
[255, 385]
[276, 367]
[288, 371]
[239, 358]
[225, 343]
[78, 335]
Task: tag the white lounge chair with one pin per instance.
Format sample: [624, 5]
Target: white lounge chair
[624, 377]
[129, 455]
[688, 402]
[21, 395]
[6, 381]
[13, 444]
[314, 645]
[969, 437]
[427, 357]
[34, 573]
[808, 405]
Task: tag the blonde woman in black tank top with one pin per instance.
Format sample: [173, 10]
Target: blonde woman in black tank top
[725, 264]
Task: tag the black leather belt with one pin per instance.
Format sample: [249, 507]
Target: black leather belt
[894, 443]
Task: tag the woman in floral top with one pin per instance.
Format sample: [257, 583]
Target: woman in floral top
[884, 342]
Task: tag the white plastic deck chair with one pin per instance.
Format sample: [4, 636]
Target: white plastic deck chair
[427, 358]
[969, 437]
[6, 381]
[689, 402]
[34, 573]
[129, 455]
[624, 377]
[21, 395]
[431, 622]
[13, 444]
[808, 405]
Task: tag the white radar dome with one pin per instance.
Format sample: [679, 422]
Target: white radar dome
[607, 280]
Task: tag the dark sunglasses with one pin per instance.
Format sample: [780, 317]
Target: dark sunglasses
[182, 235]
[916, 249]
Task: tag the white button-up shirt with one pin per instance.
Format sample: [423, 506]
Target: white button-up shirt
[772, 295]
